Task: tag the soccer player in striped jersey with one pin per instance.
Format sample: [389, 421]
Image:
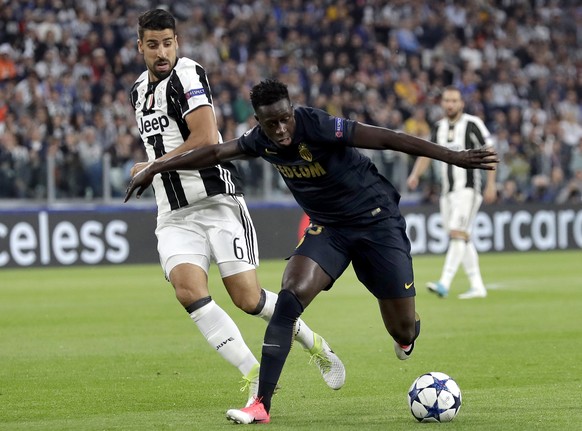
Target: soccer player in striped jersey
[202, 214]
[461, 192]
[353, 211]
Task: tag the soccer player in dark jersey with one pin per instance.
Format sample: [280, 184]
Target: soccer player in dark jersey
[462, 191]
[202, 214]
[353, 211]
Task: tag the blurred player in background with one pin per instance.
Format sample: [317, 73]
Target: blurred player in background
[353, 210]
[202, 214]
[461, 192]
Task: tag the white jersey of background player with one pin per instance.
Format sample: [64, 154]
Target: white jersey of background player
[202, 215]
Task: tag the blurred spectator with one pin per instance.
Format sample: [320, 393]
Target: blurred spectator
[7, 64]
[517, 166]
[440, 73]
[572, 191]
[510, 193]
[576, 158]
[416, 124]
[69, 173]
[406, 37]
[90, 154]
[570, 128]
[3, 109]
[503, 91]
[13, 167]
[546, 189]
[407, 91]
[122, 160]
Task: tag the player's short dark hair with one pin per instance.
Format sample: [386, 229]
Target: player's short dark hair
[453, 88]
[268, 92]
[155, 19]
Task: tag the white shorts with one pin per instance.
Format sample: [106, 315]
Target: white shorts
[218, 228]
[459, 209]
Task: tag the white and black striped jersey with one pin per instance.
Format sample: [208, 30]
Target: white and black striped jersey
[466, 133]
[160, 108]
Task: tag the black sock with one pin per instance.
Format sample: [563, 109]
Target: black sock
[198, 304]
[261, 304]
[277, 344]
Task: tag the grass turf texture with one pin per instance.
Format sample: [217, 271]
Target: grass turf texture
[109, 348]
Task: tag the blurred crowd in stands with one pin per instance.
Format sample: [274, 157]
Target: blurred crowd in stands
[66, 67]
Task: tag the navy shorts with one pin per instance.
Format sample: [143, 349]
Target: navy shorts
[379, 253]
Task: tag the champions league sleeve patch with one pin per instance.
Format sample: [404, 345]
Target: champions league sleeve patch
[194, 92]
[339, 127]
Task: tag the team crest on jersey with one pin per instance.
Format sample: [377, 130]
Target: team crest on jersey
[194, 92]
[339, 127]
[149, 102]
[304, 152]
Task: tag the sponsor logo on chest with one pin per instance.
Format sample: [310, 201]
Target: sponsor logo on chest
[152, 124]
[311, 170]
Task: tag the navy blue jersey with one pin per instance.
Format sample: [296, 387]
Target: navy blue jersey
[334, 183]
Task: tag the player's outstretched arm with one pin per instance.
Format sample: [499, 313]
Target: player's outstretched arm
[196, 159]
[379, 138]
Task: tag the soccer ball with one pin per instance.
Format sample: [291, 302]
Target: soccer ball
[434, 397]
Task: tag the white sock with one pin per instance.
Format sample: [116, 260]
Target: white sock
[303, 333]
[224, 336]
[452, 261]
[471, 266]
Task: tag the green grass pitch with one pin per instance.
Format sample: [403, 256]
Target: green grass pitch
[109, 348]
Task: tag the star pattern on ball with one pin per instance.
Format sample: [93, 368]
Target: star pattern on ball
[439, 384]
[414, 393]
[434, 411]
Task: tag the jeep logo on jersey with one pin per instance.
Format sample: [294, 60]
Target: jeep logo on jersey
[152, 125]
[194, 92]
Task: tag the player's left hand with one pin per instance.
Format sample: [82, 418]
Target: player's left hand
[477, 159]
[141, 180]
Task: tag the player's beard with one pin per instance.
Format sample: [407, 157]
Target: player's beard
[453, 115]
[163, 75]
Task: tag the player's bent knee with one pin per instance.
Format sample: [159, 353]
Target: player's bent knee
[248, 304]
[251, 302]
